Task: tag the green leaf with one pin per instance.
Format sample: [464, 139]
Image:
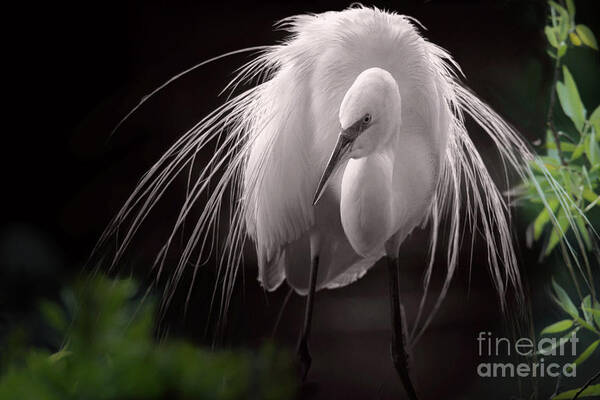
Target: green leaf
[551, 146]
[575, 39]
[588, 182]
[595, 120]
[592, 390]
[59, 355]
[565, 146]
[556, 343]
[562, 49]
[563, 29]
[597, 314]
[583, 230]
[564, 20]
[571, 181]
[557, 327]
[592, 151]
[557, 235]
[568, 95]
[543, 218]
[571, 9]
[587, 353]
[54, 315]
[551, 36]
[589, 194]
[592, 311]
[550, 161]
[579, 149]
[587, 36]
[560, 9]
[586, 304]
[587, 326]
[564, 300]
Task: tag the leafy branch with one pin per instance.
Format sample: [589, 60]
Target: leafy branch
[573, 157]
[109, 352]
[549, 119]
[573, 161]
[587, 317]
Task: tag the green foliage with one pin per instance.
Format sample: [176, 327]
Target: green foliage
[593, 390]
[586, 36]
[587, 352]
[570, 100]
[572, 156]
[563, 300]
[573, 325]
[568, 306]
[576, 168]
[557, 327]
[562, 27]
[110, 353]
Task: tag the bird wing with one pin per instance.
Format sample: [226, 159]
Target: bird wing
[294, 125]
[277, 185]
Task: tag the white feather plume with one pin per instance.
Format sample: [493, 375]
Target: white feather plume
[280, 132]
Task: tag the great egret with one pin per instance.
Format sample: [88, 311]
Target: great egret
[352, 137]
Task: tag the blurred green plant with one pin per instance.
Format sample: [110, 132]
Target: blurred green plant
[573, 160]
[109, 353]
[573, 155]
[586, 316]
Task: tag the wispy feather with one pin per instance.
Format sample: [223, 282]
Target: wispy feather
[274, 139]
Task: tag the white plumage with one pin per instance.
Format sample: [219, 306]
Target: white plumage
[276, 139]
[294, 146]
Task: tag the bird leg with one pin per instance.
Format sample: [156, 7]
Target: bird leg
[399, 355]
[302, 349]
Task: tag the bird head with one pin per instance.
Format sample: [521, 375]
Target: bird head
[369, 116]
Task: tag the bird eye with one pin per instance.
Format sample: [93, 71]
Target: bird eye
[367, 119]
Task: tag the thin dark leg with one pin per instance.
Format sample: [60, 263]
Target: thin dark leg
[303, 352]
[399, 356]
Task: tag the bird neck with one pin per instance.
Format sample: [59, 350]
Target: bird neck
[365, 204]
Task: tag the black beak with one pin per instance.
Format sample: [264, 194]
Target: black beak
[343, 144]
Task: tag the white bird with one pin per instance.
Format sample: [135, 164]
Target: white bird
[352, 137]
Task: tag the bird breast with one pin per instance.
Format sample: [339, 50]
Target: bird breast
[366, 205]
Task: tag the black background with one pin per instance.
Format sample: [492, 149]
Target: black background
[74, 69]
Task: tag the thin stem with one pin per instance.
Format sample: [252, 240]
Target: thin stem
[549, 117]
[567, 260]
[596, 252]
[587, 384]
[557, 387]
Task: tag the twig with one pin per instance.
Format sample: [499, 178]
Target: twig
[587, 384]
[557, 387]
[549, 120]
[596, 251]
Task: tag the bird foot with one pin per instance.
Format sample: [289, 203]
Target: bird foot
[400, 360]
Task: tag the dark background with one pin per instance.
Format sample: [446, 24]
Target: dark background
[74, 69]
